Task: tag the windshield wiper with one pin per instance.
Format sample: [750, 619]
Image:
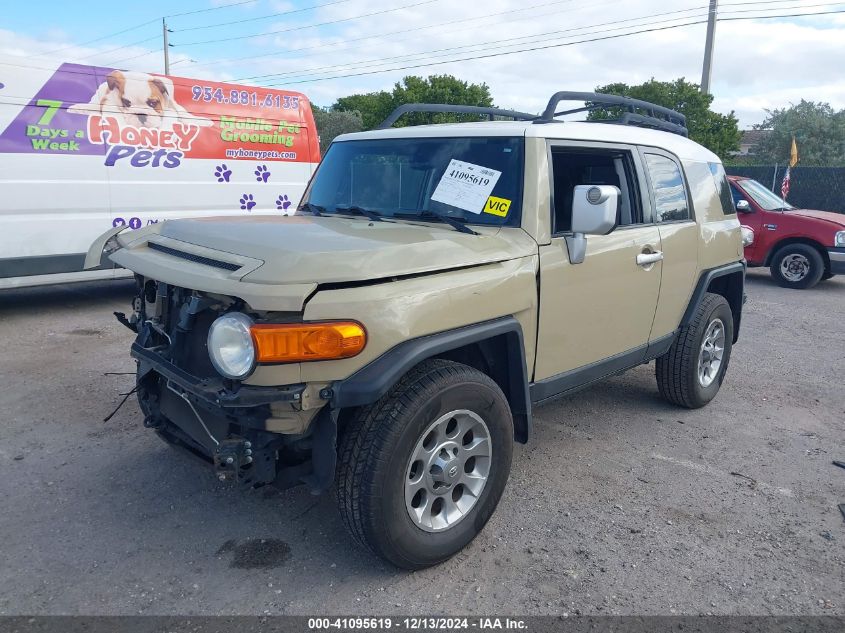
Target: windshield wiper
[313, 209]
[433, 215]
[360, 211]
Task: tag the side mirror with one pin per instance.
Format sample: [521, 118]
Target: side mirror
[593, 213]
[743, 206]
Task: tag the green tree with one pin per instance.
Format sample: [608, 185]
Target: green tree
[376, 106]
[717, 132]
[372, 106]
[331, 124]
[819, 133]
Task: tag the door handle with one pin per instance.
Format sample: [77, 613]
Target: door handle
[647, 259]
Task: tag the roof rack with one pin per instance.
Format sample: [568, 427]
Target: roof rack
[636, 112]
[655, 116]
[456, 109]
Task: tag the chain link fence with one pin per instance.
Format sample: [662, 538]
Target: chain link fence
[809, 188]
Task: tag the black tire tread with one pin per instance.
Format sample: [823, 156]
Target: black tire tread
[672, 368]
[816, 260]
[372, 428]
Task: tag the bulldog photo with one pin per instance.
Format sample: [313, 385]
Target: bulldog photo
[140, 100]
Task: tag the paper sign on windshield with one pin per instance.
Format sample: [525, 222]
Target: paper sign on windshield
[466, 186]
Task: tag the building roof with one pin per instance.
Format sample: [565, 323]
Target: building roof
[753, 137]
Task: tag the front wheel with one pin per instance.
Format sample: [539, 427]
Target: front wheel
[691, 372]
[421, 471]
[798, 266]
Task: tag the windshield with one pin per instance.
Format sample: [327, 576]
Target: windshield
[764, 198]
[477, 180]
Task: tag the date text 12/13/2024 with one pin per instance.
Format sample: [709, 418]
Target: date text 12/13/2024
[417, 623]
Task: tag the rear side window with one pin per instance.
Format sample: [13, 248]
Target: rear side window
[723, 187]
[667, 183]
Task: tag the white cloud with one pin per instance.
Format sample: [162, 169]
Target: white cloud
[758, 64]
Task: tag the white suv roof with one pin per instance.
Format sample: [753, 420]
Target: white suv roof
[636, 122]
[564, 130]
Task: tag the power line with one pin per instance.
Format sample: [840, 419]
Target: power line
[559, 45]
[126, 59]
[119, 48]
[226, 6]
[138, 26]
[263, 17]
[499, 42]
[730, 17]
[97, 39]
[346, 42]
[309, 26]
[217, 8]
[485, 46]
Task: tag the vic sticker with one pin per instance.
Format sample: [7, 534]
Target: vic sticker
[497, 206]
[466, 186]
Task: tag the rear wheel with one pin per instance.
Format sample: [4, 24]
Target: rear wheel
[421, 471]
[691, 372]
[797, 266]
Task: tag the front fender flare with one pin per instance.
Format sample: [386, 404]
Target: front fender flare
[375, 379]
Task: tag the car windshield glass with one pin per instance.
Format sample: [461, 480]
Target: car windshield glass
[764, 198]
[477, 180]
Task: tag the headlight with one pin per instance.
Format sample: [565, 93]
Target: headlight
[839, 240]
[230, 345]
[747, 236]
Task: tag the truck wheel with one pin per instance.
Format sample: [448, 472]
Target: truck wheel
[798, 266]
[691, 372]
[421, 471]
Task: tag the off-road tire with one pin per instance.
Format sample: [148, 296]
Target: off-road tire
[677, 369]
[374, 449]
[812, 255]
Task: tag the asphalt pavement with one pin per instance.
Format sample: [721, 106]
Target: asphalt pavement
[621, 504]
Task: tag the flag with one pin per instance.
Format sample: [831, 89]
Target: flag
[793, 160]
[793, 154]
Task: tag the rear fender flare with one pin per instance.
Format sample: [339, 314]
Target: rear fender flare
[733, 291]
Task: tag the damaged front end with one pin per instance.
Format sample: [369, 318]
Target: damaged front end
[229, 424]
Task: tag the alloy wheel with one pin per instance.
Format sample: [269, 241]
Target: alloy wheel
[448, 470]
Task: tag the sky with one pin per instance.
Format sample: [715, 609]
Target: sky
[525, 50]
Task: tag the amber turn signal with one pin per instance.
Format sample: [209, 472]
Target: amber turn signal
[299, 342]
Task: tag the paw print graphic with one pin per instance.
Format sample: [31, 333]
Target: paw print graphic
[247, 202]
[222, 173]
[282, 203]
[262, 174]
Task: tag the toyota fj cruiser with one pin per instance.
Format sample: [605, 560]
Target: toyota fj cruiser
[435, 284]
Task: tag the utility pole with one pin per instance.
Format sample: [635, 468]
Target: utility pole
[167, 47]
[707, 70]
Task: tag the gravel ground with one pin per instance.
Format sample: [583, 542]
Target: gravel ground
[621, 504]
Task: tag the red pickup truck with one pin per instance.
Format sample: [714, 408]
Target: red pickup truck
[801, 247]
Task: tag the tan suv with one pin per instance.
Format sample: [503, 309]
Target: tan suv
[435, 284]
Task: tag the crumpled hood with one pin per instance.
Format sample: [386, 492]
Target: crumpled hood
[314, 250]
[828, 216]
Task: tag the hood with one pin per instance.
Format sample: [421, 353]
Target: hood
[307, 249]
[829, 216]
[290, 256]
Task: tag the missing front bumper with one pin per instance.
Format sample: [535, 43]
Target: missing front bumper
[229, 426]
